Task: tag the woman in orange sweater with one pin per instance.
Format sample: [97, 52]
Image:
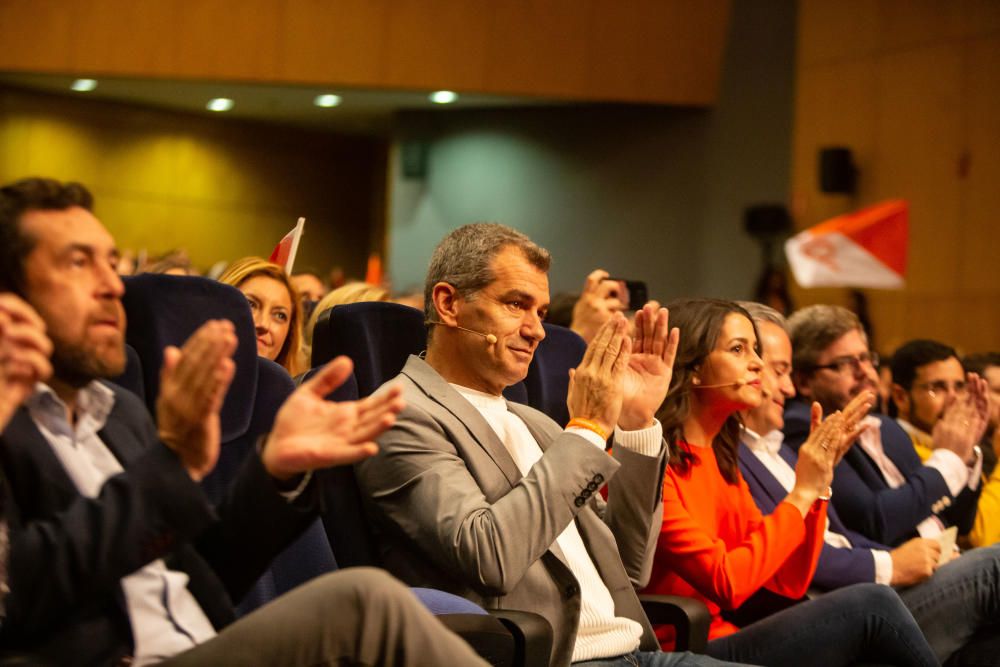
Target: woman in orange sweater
[714, 544]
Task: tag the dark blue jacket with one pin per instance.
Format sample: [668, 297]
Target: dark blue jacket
[837, 566]
[864, 500]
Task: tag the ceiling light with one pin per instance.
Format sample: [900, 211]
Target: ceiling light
[84, 85]
[443, 97]
[327, 101]
[219, 104]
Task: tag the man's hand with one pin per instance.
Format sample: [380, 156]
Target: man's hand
[596, 305]
[193, 384]
[24, 354]
[311, 433]
[964, 421]
[914, 561]
[596, 385]
[650, 367]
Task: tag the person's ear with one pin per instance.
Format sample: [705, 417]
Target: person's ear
[901, 398]
[445, 298]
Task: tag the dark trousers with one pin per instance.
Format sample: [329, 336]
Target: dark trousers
[358, 616]
[865, 623]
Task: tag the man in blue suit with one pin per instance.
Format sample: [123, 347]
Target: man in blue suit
[954, 604]
[881, 489]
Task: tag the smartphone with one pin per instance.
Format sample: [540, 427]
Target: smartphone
[632, 293]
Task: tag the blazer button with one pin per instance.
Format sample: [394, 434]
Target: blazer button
[593, 486]
[586, 493]
[572, 590]
[578, 501]
[598, 478]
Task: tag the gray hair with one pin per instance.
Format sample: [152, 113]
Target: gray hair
[464, 256]
[814, 328]
[761, 313]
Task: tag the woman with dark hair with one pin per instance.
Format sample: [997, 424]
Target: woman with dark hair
[714, 544]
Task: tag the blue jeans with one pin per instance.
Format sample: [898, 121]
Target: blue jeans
[657, 659]
[864, 623]
[960, 607]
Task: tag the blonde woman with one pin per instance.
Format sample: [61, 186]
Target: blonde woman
[277, 314]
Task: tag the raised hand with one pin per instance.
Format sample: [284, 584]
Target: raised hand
[24, 354]
[596, 385]
[598, 302]
[311, 433]
[964, 421]
[650, 367]
[193, 384]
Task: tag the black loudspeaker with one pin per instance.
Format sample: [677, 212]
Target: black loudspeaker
[766, 221]
[837, 173]
[413, 155]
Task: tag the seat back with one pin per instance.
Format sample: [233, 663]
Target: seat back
[378, 337]
[166, 310]
[548, 376]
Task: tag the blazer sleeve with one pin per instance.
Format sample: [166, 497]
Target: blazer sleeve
[863, 499]
[419, 484]
[62, 563]
[634, 511]
[778, 551]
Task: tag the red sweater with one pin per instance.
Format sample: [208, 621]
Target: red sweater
[715, 546]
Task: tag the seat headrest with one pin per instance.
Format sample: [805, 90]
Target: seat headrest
[377, 336]
[166, 310]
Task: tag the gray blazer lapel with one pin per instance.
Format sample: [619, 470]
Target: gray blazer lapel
[440, 391]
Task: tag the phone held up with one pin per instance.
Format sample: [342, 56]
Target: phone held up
[632, 293]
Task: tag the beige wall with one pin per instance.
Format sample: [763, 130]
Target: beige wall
[220, 188]
[634, 50]
[912, 87]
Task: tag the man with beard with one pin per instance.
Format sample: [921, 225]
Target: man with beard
[117, 557]
[955, 604]
[881, 488]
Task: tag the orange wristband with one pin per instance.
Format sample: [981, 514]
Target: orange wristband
[579, 422]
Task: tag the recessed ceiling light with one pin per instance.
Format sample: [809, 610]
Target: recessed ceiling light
[84, 85]
[327, 100]
[443, 97]
[219, 104]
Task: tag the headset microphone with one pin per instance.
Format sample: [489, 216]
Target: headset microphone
[738, 383]
[490, 338]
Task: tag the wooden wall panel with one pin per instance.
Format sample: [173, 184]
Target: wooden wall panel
[666, 51]
[980, 250]
[341, 41]
[109, 34]
[918, 142]
[911, 88]
[431, 41]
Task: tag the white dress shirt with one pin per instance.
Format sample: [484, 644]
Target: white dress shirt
[766, 449]
[165, 617]
[601, 634]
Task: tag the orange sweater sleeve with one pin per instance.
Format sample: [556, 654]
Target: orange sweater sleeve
[729, 562]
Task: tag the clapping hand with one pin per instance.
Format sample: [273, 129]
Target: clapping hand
[964, 421]
[650, 367]
[311, 433]
[24, 354]
[193, 384]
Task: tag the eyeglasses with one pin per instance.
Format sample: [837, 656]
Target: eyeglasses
[942, 387]
[850, 364]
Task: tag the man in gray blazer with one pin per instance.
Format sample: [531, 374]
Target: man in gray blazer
[495, 501]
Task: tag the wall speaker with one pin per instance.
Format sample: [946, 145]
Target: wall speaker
[413, 155]
[837, 173]
[766, 221]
